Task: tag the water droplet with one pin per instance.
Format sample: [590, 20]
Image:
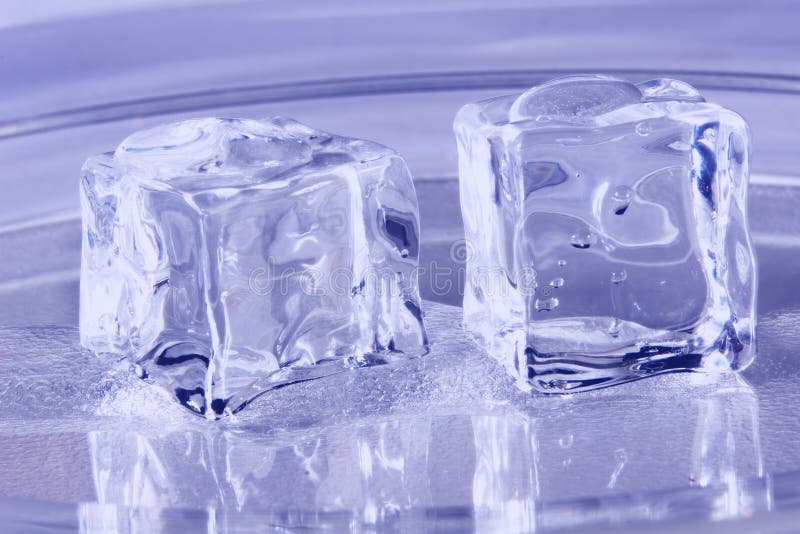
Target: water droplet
[613, 328]
[617, 277]
[557, 282]
[644, 129]
[578, 174]
[562, 263]
[545, 291]
[546, 304]
[543, 118]
[583, 239]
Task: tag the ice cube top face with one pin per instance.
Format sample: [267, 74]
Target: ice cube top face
[228, 257]
[607, 226]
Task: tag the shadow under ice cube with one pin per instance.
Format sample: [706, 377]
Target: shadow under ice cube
[229, 257]
[608, 227]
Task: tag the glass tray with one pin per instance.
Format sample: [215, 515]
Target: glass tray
[444, 442]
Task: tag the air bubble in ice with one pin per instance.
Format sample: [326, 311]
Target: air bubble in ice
[546, 304]
[644, 128]
[617, 277]
[621, 199]
[583, 239]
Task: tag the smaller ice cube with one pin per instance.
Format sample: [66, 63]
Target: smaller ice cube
[228, 257]
[609, 230]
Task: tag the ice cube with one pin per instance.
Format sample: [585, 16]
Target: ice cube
[608, 227]
[228, 257]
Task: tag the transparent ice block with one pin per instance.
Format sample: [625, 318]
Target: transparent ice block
[229, 257]
[607, 230]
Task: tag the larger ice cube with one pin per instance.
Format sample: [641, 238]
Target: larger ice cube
[607, 225]
[228, 257]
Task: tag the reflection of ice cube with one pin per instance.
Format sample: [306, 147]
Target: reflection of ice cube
[704, 449]
[372, 472]
[228, 257]
[632, 198]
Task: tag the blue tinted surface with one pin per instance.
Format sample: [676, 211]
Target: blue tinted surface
[444, 441]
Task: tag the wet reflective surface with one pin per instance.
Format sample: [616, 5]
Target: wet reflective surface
[445, 440]
[393, 446]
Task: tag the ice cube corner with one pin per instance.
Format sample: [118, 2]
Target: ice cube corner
[228, 257]
[607, 223]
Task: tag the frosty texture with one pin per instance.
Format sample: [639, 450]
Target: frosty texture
[608, 231]
[228, 257]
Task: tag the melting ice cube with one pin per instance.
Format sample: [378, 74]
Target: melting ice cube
[634, 198]
[228, 257]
